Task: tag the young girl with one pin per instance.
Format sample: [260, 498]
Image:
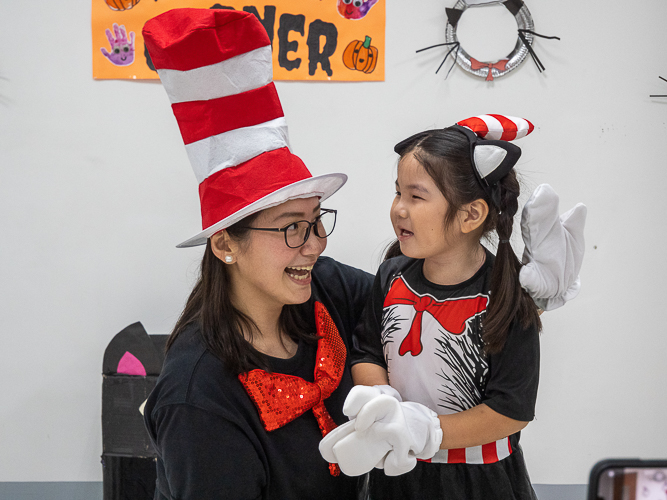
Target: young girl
[450, 328]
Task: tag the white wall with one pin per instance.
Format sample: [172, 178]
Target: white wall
[96, 189]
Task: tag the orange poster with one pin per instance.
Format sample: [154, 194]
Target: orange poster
[338, 40]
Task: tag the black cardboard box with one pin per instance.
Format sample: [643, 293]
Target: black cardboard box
[132, 363]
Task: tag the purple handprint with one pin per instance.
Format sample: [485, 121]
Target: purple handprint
[122, 51]
[355, 9]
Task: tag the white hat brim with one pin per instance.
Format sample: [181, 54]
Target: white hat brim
[322, 186]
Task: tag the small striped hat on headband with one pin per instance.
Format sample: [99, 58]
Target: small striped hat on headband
[492, 156]
[216, 67]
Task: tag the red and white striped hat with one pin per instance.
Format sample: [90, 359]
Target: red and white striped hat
[216, 67]
[492, 156]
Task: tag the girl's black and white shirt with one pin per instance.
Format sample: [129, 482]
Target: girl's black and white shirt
[429, 337]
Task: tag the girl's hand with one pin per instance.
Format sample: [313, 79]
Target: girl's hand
[366, 455]
[387, 434]
[362, 394]
[411, 429]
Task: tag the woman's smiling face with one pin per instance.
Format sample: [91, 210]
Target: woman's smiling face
[266, 270]
[418, 211]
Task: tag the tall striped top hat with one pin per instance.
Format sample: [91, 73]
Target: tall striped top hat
[216, 67]
[492, 156]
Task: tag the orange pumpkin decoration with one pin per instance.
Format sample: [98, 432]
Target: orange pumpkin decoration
[361, 56]
[121, 4]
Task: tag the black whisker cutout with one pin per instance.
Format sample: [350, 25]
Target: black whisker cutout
[664, 80]
[537, 34]
[443, 62]
[536, 59]
[438, 45]
[455, 47]
[456, 56]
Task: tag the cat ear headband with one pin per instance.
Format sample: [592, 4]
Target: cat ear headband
[491, 154]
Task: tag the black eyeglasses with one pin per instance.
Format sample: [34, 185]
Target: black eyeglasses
[297, 233]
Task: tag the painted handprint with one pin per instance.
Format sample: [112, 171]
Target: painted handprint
[355, 9]
[122, 50]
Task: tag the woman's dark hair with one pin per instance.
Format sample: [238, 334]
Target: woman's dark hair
[222, 327]
[445, 155]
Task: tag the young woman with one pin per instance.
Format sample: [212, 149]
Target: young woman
[256, 371]
[253, 310]
[450, 328]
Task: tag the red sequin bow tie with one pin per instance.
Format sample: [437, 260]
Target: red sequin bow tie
[500, 66]
[281, 398]
[452, 314]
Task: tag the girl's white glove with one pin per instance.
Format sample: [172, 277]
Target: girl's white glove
[386, 434]
[554, 249]
[362, 394]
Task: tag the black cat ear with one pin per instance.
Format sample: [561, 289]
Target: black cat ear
[494, 159]
[492, 155]
[132, 352]
[514, 6]
[453, 16]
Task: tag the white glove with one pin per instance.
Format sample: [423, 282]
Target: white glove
[554, 249]
[384, 428]
[373, 454]
[357, 456]
[362, 394]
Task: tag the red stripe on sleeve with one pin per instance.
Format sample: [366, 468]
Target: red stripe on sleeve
[456, 456]
[489, 453]
[509, 128]
[184, 39]
[475, 124]
[201, 119]
[531, 127]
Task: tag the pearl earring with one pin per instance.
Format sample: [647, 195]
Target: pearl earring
[228, 259]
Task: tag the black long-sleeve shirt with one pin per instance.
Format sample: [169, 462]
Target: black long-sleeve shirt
[210, 441]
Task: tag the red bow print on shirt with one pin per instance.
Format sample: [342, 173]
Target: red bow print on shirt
[452, 314]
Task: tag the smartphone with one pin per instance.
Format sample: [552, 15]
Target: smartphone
[628, 479]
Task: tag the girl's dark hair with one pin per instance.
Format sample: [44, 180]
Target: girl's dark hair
[445, 155]
[222, 327]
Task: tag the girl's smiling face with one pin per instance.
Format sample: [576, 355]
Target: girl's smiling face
[418, 211]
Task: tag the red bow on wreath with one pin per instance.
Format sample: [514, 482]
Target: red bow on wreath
[281, 398]
[500, 66]
[451, 314]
